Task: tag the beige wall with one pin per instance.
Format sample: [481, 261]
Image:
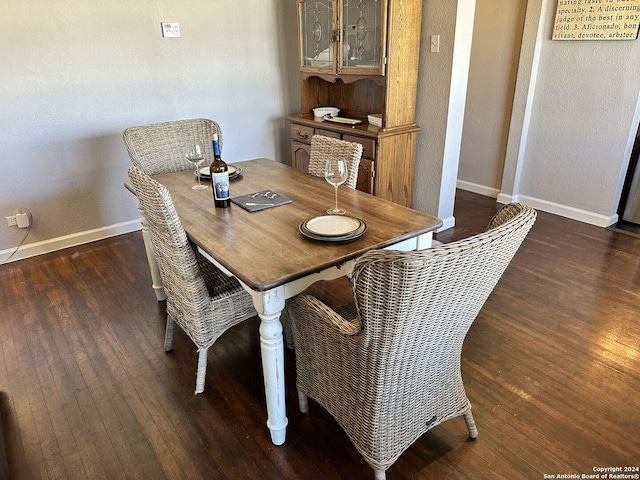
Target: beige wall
[497, 35]
[75, 74]
[583, 112]
[572, 120]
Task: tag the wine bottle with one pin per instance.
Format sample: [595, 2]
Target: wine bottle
[219, 177]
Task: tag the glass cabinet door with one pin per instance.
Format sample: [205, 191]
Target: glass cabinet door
[362, 35]
[317, 34]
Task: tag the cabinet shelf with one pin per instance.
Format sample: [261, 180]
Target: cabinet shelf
[379, 80]
[363, 129]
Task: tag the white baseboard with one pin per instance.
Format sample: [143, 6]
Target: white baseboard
[543, 205]
[66, 241]
[563, 210]
[475, 188]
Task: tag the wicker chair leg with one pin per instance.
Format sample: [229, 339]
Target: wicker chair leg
[202, 370]
[471, 424]
[286, 329]
[303, 402]
[380, 475]
[168, 336]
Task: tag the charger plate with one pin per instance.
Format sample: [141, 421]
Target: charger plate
[333, 228]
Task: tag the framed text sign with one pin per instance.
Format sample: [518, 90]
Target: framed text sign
[597, 20]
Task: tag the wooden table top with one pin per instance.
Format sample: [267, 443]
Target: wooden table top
[265, 249]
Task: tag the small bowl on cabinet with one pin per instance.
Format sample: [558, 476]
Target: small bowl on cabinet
[320, 112]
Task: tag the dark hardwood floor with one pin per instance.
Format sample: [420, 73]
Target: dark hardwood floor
[551, 366]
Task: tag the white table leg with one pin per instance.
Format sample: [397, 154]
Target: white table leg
[269, 305]
[156, 279]
[420, 242]
[425, 241]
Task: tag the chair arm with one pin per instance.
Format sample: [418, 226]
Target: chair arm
[309, 306]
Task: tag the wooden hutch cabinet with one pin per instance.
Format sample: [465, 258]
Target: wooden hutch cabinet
[362, 57]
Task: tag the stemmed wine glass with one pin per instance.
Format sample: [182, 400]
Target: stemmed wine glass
[195, 154]
[335, 172]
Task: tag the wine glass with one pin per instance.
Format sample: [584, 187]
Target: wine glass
[335, 172]
[195, 154]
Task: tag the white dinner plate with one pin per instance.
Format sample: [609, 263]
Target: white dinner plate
[206, 171]
[332, 225]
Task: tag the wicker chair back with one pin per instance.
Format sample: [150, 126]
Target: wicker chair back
[324, 148]
[160, 147]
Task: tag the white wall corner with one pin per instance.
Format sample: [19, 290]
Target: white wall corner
[505, 198]
[527, 76]
[457, 99]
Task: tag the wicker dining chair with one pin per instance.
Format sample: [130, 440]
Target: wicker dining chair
[201, 299]
[387, 367]
[324, 148]
[160, 147]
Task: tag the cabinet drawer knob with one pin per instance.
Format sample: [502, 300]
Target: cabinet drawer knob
[302, 135]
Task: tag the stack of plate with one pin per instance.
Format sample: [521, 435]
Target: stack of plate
[333, 228]
[205, 172]
[375, 119]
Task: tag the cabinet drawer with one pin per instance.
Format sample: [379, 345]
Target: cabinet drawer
[301, 133]
[368, 145]
[327, 133]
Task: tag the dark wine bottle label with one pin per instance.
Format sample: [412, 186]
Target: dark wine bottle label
[220, 185]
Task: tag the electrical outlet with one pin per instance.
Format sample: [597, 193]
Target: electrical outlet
[23, 218]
